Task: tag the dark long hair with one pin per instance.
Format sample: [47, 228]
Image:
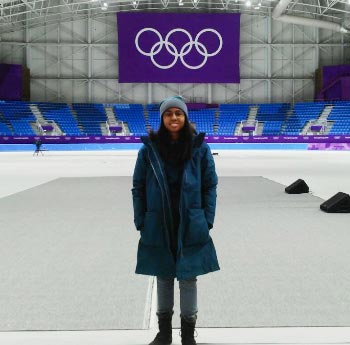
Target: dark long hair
[183, 150]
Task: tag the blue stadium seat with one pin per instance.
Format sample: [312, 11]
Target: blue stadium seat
[19, 115]
[301, 114]
[230, 115]
[61, 114]
[133, 115]
[90, 117]
[16, 117]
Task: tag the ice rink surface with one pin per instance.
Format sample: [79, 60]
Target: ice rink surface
[326, 173]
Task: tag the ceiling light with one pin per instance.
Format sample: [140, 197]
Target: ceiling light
[257, 6]
[104, 6]
[248, 3]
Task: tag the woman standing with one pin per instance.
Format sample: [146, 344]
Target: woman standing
[174, 199]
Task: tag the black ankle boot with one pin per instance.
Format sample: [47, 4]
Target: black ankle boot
[164, 336]
[187, 332]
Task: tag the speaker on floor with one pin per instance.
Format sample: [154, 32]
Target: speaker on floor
[297, 187]
[338, 203]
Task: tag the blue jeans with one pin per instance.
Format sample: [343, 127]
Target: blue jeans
[188, 297]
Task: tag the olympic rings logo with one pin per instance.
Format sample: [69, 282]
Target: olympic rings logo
[172, 49]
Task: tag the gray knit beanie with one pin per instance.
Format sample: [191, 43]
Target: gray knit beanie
[173, 102]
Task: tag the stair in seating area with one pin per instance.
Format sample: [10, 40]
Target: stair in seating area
[41, 121]
[111, 116]
[74, 114]
[259, 128]
[216, 124]
[320, 121]
[126, 129]
[112, 120]
[7, 123]
[104, 129]
[37, 113]
[253, 111]
[146, 115]
[325, 113]
[251, 121]
[288, 114]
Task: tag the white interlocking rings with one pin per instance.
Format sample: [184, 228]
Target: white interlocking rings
[172, 49]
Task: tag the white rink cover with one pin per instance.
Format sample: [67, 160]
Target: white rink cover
[68, 254]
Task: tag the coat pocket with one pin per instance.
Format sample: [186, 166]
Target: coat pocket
[197, 231]
[151, 233]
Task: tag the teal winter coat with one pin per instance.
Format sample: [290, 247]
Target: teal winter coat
[196, 253]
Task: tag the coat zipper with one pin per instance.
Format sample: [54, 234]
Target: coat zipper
[161, 171]
[155, 174]
[180, 207]
[181, 216]
[165, 191]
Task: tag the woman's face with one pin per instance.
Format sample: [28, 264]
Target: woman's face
[174, 121]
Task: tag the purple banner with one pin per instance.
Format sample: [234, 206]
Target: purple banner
[331, 73]
[345, 88]
[316, 139]
[336, 82]
[178, 47]
[10, 82]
